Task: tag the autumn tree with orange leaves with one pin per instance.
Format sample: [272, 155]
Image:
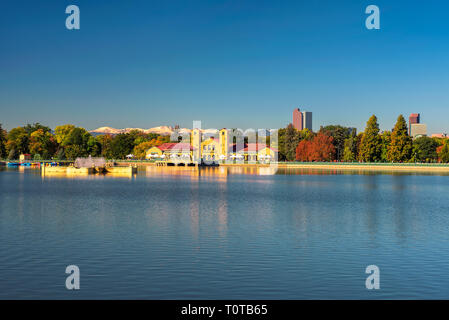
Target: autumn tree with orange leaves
[320, 148]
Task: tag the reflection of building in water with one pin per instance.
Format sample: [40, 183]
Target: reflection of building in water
[193, 173]
[228, 146]
[220, 173]
[222, 210]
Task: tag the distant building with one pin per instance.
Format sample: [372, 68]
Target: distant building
[307, 118]
[418, 130]
[213, 149]
[25, 157]
[352, 131]
[302, 120]
[298, 122]
[413, 119]
[439, 135]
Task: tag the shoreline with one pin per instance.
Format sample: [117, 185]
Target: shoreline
[340, 166]
[398, 167]
[369, 167]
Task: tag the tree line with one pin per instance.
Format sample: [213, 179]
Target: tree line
[330, 143]
[68, 142]
[338, 143]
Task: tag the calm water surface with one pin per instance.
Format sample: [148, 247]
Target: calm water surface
[179, 233]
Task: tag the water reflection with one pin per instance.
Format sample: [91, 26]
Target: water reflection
[221, 172]
[224, 232]
[222, 210]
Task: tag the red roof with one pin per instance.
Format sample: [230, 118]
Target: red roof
[175, 146]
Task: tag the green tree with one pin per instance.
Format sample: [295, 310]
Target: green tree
[18, 139]
[75, 141]
[292, 139]
[62, 133]
[30, 128]
[400, 148]
[281, 144]
[3, 140]
[443, 153]
[371, 145]
[43, 143]
[13, 154]
[73, 151]
[425, 149]
[386, 141]
[138, 137]
[93, 146]
[140, 151]
[339, 135]
[60, 154]
[350, 149]
[105, 141]
[122, 145]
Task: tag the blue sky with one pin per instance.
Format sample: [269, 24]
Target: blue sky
[228, 63]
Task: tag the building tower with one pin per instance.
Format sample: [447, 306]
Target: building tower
[195, 141]
[302, 120]
[298, 122]
[223, 141]
[413, 119]
[307, 118]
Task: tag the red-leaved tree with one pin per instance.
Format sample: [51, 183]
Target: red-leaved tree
[320, 148]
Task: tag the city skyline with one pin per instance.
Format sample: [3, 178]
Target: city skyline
[154, 64]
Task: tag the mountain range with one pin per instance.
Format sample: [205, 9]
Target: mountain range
[162, 130]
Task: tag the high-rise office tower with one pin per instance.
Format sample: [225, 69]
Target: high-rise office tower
[298, 122]
[418, 130]
[307, 120]
[413, 119]
[302, 120]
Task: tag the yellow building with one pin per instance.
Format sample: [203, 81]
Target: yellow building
[25, 157]
[173, 151]
[224, 143]
[153, 153]
[267, 154]
[213, 149]
[210, 149]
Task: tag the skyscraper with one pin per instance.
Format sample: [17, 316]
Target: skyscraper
[415, 127]
[413, 119]
[298, 122]
[307, 118]
[302, 120]
[418, 130]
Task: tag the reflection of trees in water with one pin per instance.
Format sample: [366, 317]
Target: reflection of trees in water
[400, 201]
[372, 199]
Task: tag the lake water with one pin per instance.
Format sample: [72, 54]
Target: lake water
[217, 233]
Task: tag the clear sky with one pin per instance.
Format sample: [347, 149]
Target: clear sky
[236, 63]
